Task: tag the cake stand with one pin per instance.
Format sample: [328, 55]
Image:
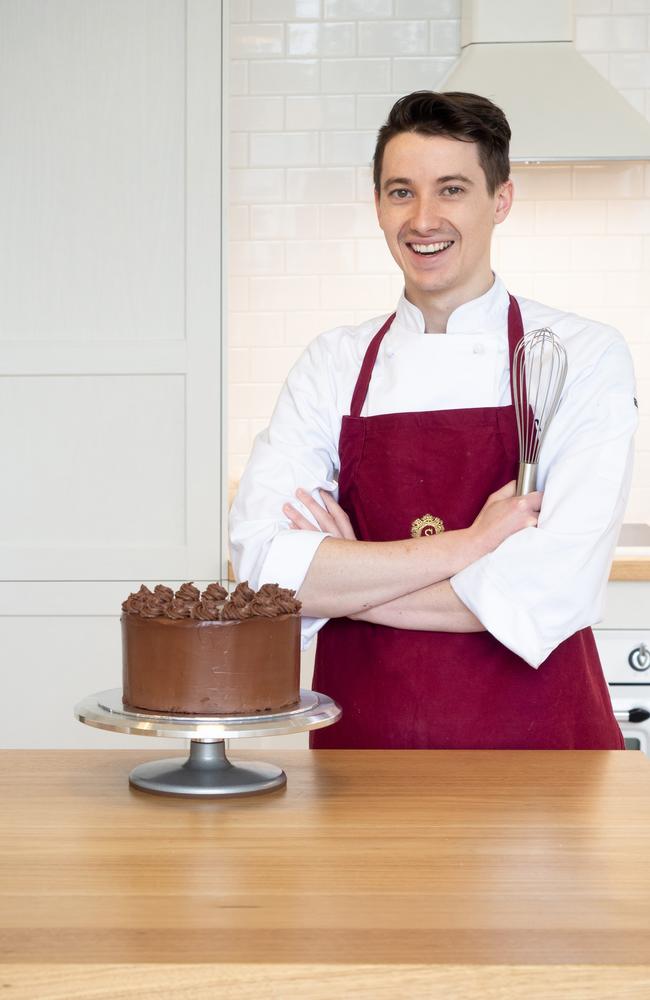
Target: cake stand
[207, 771]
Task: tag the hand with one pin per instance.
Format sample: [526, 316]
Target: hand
[332, 519]
[503, 514]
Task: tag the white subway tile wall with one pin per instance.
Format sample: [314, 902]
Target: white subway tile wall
[311, 81]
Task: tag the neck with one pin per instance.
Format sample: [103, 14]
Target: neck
[437, 307]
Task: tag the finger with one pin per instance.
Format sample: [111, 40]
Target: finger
[323, 519]
[340, 517]
[507, 491]
[534, 500]
[297, 519]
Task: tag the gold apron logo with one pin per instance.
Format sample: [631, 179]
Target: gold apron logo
[426, 525]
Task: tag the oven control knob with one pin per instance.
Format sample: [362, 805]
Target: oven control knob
[639, 658]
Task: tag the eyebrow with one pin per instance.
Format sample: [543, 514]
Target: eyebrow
[440, 180]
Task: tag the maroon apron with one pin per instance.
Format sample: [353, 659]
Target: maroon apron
[402, 689]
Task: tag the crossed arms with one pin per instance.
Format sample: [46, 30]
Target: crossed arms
[404, 584]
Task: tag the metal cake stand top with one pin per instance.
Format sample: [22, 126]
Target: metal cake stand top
[105, 710]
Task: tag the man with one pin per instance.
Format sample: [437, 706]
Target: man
[435, 592]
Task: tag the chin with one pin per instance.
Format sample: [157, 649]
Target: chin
[438, 284]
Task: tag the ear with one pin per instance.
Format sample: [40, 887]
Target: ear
[503, 203]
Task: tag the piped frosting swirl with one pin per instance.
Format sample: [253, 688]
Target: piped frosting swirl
[188, 592]
[214, 604]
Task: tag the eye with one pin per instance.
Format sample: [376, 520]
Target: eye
[453, 190]
[400, 193]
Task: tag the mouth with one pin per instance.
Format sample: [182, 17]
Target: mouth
[426, 251]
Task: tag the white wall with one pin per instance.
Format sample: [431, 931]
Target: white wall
[311, 82]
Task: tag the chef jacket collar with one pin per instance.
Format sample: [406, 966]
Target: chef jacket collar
[486, 314]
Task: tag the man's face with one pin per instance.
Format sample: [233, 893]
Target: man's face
[433, 191]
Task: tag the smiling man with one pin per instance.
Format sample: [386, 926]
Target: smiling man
[439, 228]
[383, 489]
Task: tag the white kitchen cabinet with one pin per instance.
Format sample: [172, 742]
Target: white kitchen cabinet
[110, 337]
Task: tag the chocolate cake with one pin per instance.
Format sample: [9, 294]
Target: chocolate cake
[193, 653]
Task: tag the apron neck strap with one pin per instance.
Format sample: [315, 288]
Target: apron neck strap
[515, 333]
[363, 381]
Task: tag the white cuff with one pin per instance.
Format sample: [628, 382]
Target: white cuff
[287, 561]
[503, 617]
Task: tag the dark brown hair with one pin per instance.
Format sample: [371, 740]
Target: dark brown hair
[467, 117]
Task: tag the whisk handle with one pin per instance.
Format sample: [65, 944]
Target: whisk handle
[527, 478]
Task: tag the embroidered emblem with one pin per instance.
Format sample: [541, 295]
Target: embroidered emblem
[426, 525]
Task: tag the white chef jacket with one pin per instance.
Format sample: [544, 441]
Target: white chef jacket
[541, 584]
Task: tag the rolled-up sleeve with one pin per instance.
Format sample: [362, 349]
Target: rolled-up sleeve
[543, 584]
[298, 449]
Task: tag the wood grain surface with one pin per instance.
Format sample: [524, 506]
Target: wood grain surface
[637, 568]
[411, 873]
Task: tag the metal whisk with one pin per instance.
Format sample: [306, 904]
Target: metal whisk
[539, 371]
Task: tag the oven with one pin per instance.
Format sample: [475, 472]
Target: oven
[625, 656]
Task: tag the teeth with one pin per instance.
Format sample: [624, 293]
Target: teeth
[430, 247]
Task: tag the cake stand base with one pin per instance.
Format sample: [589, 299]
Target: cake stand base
[206, 772]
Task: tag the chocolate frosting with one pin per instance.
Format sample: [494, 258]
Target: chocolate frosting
[188, 592]
[211, 668]
[153, 607]
[134, 602]
[272, 600]
[206, 610]
[243, 592]
[178, 609]
[237, 609]
[239, 604]
[215, 592]
[213, 604]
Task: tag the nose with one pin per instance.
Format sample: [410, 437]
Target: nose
[426, 215]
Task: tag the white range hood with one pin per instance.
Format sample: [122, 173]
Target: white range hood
[520, 54]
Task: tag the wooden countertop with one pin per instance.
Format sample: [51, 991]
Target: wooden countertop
[373, 874]
[631, 568]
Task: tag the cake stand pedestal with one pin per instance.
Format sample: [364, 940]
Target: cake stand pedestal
[207, 772]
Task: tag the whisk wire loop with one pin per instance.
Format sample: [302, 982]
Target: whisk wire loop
[539, 371]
